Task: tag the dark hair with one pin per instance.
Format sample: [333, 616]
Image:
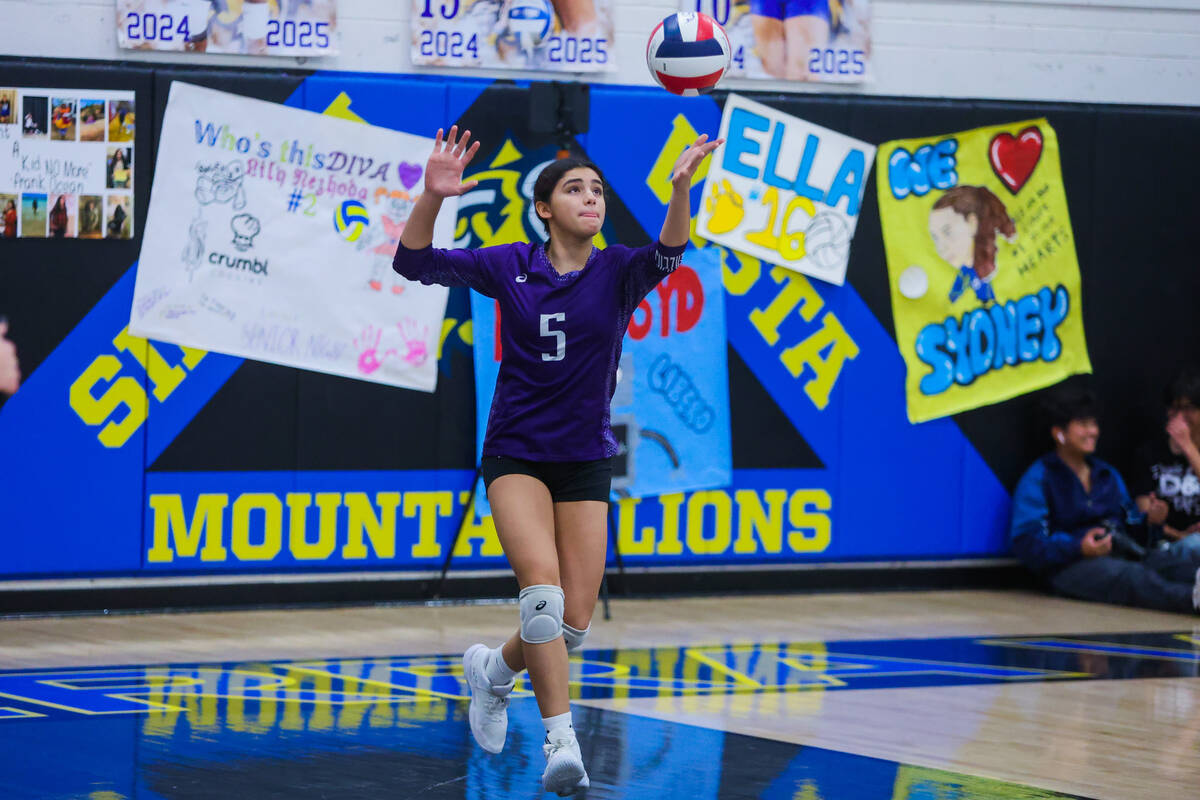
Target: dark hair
[993, 218]
[552, 173]
[1063, 405]
[1184, 386]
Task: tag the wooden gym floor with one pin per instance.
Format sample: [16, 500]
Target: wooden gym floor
[913, 696]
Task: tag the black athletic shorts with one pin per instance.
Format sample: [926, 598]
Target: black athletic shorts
[567, 481]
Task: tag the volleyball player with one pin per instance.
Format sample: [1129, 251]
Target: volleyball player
[564, 308]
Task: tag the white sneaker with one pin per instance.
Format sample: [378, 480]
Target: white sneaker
[564, 773]
[488, 713]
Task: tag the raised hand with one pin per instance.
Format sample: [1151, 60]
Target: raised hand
[444, 170]
[689, 160]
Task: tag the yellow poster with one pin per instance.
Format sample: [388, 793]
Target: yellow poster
[981, 266]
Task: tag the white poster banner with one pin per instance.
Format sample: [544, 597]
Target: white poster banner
[66, 163]
[270, 235]
[784, 190]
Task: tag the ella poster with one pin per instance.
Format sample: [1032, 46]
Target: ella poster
[784, 190]
[981, 265]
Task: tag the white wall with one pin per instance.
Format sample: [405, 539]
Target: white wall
[1114, 51]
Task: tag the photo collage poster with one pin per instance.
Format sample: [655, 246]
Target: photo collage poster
[543, 35]
[241, 27]
[66, 163]
[819, 41]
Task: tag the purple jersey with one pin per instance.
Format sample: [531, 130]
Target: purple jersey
[560, 337]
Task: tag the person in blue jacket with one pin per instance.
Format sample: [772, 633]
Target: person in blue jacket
[1075, 525]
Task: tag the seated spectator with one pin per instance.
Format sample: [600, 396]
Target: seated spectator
[1166, 481]
[1075, 525]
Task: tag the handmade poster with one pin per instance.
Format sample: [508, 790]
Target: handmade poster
[245, 27]
[270, 236]
[784, 190]
[66, 163]
[822, 41]
[543, 35]
[981, 264]
[670, 410]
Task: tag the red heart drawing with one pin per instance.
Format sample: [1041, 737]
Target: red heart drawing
[1014, 158]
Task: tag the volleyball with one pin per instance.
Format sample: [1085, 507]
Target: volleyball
[529, 21]
[688, 53]
[351, 219]
[827, 241]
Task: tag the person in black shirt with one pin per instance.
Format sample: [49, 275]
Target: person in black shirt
[1166, 482]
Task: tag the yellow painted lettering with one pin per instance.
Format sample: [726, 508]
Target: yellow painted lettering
[659, 179]
[124, 391]
[361, 519]
[272, 528]
[753, 520]
[806, 513]
[797, 291]
[427, 507]
[739, 281]
[165, 377]
[826, 351]
[298, 544]
[170, 526]
[670, 544]
[191, 356]
[627, 539]
[475, 527]
[698, 543]
[447, 325]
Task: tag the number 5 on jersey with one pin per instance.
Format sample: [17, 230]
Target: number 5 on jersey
[560, 338]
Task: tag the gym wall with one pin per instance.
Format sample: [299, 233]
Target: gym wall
[234, 470]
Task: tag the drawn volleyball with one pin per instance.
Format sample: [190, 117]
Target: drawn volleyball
[688, 53]
[529, 21]
[351, 219]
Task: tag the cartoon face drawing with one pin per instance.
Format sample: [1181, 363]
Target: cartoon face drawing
[954, 236]
[964, 223]
[219, 183]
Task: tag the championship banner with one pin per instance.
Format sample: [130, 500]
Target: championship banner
[784, 190]
[270, 236]
[670, 410]
[244, 27]
[543, 35]
[822, 41]
[981, 264]
[66, 163]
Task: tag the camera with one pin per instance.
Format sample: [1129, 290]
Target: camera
[1123, 544]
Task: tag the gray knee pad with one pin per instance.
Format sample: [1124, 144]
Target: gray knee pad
[574, 637]
[541, 613]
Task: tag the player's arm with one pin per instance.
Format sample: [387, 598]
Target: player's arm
[443, 178]
[677, 227]
[415, 258]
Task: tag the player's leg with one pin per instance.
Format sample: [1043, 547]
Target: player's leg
[524, 517]
[766, 21]
[806, 26]
[578, 17]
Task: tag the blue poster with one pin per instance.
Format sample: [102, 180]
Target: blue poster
[670, 411]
